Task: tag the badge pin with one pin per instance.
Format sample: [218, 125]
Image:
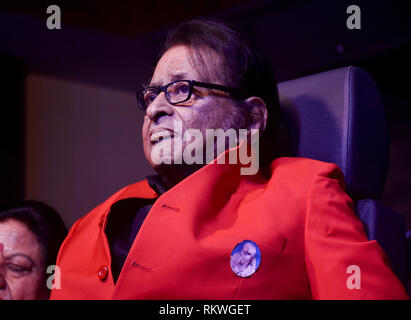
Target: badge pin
[245, 258]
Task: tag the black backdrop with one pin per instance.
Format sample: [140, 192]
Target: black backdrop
[11, 129]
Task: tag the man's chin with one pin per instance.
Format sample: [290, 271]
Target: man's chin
[175, 169]
[167, 161]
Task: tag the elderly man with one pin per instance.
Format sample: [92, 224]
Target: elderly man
[173, 236]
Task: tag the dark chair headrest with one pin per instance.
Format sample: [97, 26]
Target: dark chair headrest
[337, 116]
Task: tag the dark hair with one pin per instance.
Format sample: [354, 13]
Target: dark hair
[243, 67]
[41, 219]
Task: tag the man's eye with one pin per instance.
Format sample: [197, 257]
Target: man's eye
[149, 97]
[16, 269]
[181, 88]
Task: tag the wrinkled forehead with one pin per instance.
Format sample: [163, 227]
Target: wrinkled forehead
[15, 235]
[8, 240]
[16, 238]
[189, 63]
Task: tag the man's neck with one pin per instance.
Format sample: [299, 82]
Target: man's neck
[173, 174]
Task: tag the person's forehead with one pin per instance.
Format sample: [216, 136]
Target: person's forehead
[181, 62]
[15, 236]
[174, 65]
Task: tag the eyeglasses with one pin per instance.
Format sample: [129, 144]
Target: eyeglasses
[179, 91]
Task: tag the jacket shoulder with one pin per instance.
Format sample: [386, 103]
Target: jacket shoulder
[139, 189]
[303, 170]
[84, 228]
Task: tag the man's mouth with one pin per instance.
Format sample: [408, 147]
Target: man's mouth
[158, 135]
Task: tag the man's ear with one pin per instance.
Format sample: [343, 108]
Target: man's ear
[258, 113]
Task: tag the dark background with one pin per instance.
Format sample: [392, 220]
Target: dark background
[114, 45]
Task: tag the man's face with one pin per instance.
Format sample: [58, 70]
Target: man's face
[203, 111]
[21, 263]
[247, 253]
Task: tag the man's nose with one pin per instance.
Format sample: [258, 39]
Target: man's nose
[159, 108]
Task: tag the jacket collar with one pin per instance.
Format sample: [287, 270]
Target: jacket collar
[216, 172]
[157, 184]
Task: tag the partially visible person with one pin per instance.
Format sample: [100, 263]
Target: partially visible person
[31, 233]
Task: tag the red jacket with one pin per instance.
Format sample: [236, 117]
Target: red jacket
[300, 218]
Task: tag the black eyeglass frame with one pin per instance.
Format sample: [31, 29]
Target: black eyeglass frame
[235, 93]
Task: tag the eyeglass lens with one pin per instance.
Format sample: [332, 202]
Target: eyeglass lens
[175, 92]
